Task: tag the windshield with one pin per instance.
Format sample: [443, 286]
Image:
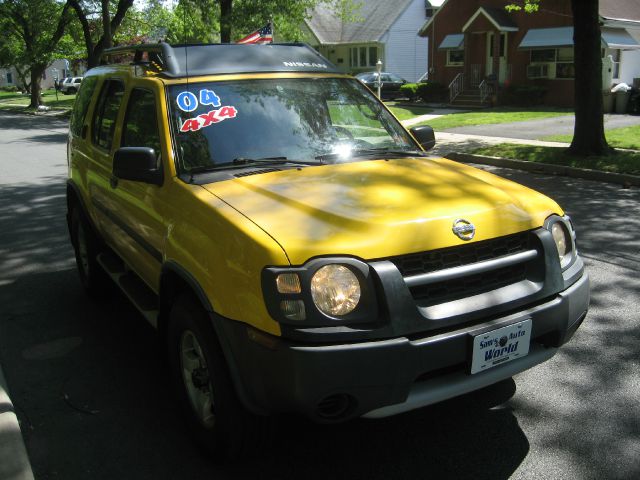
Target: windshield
[329, 120]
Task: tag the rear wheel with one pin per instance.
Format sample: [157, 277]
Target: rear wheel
[87, 247]
[219, 421]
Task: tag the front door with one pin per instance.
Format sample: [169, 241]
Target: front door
[502, 72]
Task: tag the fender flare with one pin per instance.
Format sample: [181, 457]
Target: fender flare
[217, 321]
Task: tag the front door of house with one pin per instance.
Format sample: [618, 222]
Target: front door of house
[502, 72]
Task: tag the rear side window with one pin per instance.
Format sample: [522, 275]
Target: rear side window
[141, 122]
[106, 113]
[82, 104]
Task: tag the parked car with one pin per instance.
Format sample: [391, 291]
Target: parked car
[391, 83]
[297, 249]
[70, 85]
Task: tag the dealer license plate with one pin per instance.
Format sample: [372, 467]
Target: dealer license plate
[500, 346]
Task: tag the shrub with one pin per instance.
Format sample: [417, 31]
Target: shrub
[433, 92]
[10, 88]
[522, 95]
[409, 90]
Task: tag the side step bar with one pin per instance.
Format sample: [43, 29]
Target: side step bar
[142, 297]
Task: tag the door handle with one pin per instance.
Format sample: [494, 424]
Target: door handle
[113, 181]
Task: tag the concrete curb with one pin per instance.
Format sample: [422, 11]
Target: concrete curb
[14, 461]
[584, 173]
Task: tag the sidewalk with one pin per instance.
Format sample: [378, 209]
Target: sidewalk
[14, 462]
[462, 143]
[447, 142]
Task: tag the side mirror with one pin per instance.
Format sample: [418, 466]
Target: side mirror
[138, 164]
[425, 136]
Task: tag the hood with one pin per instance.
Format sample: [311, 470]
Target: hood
[375, 209]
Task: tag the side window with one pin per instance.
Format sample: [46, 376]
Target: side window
[82, 104]
[141, 121]
[106, 113]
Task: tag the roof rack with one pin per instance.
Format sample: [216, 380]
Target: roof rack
[175, 61]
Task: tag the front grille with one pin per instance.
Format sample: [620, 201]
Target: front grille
[473, 284]
[449, 290]
[425, 262]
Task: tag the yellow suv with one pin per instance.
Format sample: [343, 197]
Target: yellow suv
[297, 249]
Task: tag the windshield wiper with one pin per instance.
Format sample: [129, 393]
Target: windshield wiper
[241, 162]
[381, 151]
[271, 161]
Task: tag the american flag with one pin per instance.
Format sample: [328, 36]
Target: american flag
[262, 35]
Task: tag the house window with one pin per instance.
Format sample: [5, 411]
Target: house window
[551, 63]
[373, 56]
[455, 58]
[362, 57]
[547, 55]
[9, 78]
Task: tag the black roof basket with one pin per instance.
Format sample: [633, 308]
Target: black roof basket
[176, 61]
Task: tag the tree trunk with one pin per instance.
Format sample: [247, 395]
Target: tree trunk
[225, 21]
[588, 136]
[106, 24]
[36, 76]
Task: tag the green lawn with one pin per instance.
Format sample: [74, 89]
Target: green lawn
[627, 137]
[405, 113]
[620, 162]
[10, 100]
[494, 115]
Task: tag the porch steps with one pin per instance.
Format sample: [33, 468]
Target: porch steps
[469, 99]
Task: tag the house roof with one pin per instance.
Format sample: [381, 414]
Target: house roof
[378, 16]
[499, 17]
[628, 10]
[621, 10]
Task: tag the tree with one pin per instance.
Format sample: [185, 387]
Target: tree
[32, 30]
[98, 26]
[588, 136]
[239, 17]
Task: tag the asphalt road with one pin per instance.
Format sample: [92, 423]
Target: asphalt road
[94, 402]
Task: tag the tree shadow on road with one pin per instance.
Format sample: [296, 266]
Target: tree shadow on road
[590, 410]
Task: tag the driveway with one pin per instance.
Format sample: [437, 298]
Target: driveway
[93, 397]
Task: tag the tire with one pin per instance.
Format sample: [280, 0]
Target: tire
[220, 423]
[87, 247]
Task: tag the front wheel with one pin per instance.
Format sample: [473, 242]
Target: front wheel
[215, 415]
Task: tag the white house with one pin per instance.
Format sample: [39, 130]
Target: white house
[387, 32]
[621, 38]
[57, 69]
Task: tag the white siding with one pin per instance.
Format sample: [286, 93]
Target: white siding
[630, 61]
[406, 52]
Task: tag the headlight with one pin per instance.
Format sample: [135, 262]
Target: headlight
[335, 290]
[558, 230]
[562, 236]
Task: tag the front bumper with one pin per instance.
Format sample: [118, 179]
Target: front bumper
[336, 382]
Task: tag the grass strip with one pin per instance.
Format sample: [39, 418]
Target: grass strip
[405, 113]
[18, 102]
[626, 137]
[618, 162]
